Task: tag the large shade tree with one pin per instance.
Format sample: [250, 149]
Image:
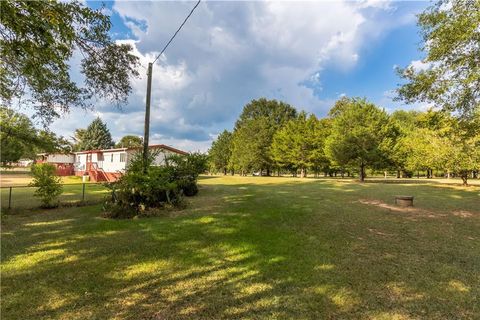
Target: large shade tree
[299, 144]
[450, 78]
[37, 42]
[17, 135]
[357, 135]
[250, 146]
[20, 139]
[266, 116]
[130, 141]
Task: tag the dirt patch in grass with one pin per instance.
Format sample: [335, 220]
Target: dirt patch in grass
[11, 180]
[417, 211]
[465, 214]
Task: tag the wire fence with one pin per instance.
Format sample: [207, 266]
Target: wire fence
[22, 197]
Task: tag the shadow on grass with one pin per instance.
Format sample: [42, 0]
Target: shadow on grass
[280, 251]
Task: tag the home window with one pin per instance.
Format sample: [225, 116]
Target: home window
[123, 156]
[99, 156]
[111, 157]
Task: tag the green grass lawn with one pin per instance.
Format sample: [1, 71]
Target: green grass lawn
[253, 248]
[22, 197]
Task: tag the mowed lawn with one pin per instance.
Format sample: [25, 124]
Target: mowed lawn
[253, 248]
[22, 195]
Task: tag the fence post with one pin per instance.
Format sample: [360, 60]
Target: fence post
[83, 192]
[10, 198]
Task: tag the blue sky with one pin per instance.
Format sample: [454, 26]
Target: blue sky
[305, 53]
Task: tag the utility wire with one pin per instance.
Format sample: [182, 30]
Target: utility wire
[176, 32]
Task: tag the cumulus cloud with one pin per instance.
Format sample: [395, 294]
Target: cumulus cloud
[231, 52]
[419, 65]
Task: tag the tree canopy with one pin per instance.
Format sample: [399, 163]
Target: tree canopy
[254, 131]
[38, 40]
[250, 146]
[357, 136]
[450, 78]
[96, 136]
[276, 112]
[129, 141]
[220, 152]
[17, 135]
[20, 139]
[299, 144]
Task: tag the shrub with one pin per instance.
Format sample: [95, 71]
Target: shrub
[192, 164]
[48, 185]
[188, 186]
[139, 194]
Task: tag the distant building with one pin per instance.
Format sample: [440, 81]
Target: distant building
[24, 162]
[105, 164]
[63, 162]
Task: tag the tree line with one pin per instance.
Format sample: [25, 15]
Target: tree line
[272, 136]
[20, 139]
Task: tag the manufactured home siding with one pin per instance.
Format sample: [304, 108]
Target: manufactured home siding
[60, 158]
[161, 156]
[112, 163]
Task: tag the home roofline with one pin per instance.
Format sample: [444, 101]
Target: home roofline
[101, 150]
[50, 153]
[162, 146]
[153, 146]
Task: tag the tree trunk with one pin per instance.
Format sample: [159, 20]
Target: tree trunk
[464, 175]
[302, 173]
[268, 172]
[448, 174]
[398, 174]
[342, 174]
[324, 174]
[418, 174]
[224, 171]
[362, 173]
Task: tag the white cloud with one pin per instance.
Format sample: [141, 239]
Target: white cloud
[229, 53]
[419, 65]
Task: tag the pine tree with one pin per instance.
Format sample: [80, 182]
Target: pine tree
[254, 131]
[299, 144]
[97, 136]
[358, 131]
[250, 146]
[221, 151]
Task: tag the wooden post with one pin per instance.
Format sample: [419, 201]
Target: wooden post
[147, 117]
[83, 192]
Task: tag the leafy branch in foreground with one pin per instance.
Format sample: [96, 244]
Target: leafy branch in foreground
[37, 41]
[450, 73]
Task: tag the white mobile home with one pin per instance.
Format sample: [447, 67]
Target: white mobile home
[62, 161]
[109, 164]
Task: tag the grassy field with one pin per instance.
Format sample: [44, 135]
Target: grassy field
[23, 179]
[253, 248]
[22, 197]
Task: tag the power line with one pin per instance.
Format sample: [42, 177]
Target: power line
[176, 32]
[149, 91]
